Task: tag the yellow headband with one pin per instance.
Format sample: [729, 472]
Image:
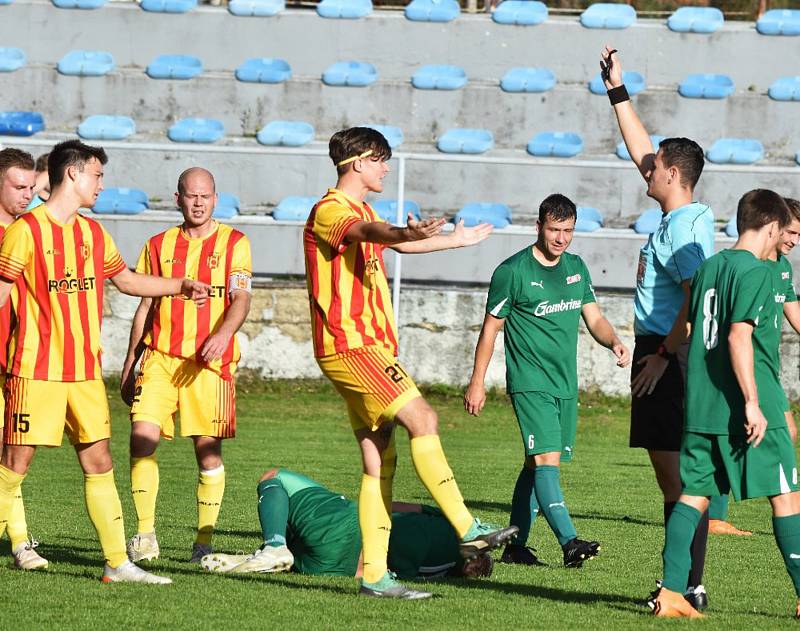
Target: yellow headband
[354, 158]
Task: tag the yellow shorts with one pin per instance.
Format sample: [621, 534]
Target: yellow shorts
[37, 412]
[372, 383]
[167, 384]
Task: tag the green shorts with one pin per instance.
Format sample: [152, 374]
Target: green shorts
[546, 423]
[718, 464]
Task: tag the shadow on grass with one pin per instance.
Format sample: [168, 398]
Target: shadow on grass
[506, 508]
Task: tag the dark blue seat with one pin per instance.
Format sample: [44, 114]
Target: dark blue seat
[731, 229]
[286, 134]
[462, 140]
[202, 130]
[622, 150]
[589, 219]
[174, 67]
[433, 10]
[394, 135]
[79, 4]
[555, 144]
[20, 123]
[634, 83]
[354, 74]
[168, 6]
[648, 221]
[439, 78]
[256, 8]
[121, 201]
[696, 20]
[294, 208]
[227, 206]
[344, 9]
[264, 70]
[779, 22]
[387, 210]
[706, 86]
[785, 89]
[11, 59]
[86, 63]
[527, 79]
[102, 127]
[736, 151]
[499, 215]
[607, 15]
[520, 12]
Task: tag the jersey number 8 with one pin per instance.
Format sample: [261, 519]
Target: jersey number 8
[710, 325]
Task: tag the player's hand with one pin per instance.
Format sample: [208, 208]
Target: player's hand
[195, 290]
[474, 398]
[215, 346]
[622, 353]
[755, 423]
[792, 427]
[645, 382]
[127, 385]
[615, 75]
[423, 229]
[466, 237]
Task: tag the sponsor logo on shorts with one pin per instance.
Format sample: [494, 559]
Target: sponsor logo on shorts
[546, 307]
[575, 278]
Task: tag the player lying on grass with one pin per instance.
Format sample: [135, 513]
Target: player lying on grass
[312, 530]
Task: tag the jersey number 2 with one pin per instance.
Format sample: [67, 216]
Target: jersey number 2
[710, 325]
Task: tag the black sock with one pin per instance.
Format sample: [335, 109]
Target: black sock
[668, 506]
[699, 552]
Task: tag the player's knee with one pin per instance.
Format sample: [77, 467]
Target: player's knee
[269, 474]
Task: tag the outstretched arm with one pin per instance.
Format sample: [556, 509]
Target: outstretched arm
[604, 334]
[475, 396]
[147, 286]
[387, 234]
[461, 237]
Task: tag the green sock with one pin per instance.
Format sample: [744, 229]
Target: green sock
[547, 482]
[718, 508]
[787, 535]
[273, 512]
[677, 546]
[524, 506]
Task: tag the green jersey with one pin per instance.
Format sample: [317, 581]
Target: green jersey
[729, 287]
[783, 287]
[423, 544]
[542, 307]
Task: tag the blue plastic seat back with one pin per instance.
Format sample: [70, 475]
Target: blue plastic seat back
[86, 63]
[20, 123]
[779, 22]
[2, 2]
[607, 15]
[527, 79]
[648, 221]
[196, 130]
[731, 229]
[256, 8]
[463, 140]
[264, 70]
[168, 6]
[294, 208]
[622, 150]
[223, 211]
[439, 78]
[387, 210]
[344, 9]
[394, 135]
[103, 127]
[556, 144]
[785, 89]
[498, 215]
[433, 10]
[706, 86]
[634, 83]
[696, 20]
[174, 67]
[11, 59]
[121, 201]
[228, 200]
[520, 12]
[736, 151]
[354, 74]
[797, 157]
[589, 219]
[286, 133]
[79, 4]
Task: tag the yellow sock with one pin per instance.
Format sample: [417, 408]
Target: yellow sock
[10, 483]
[388, 466]
[210, 489]
[105, 511]
[436, 475]
[376, 526]
[17, 526]
[144, 488]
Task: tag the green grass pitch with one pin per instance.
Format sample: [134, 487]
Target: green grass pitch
[609, 488]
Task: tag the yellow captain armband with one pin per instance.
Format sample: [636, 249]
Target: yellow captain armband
[240, 281]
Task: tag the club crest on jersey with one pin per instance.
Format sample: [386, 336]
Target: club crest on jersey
[85, 251]
[784, 275]
[212, 262]
[575, 278]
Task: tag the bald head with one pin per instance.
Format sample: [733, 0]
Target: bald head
[196, 176]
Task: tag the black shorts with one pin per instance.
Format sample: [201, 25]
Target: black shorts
[657, 418]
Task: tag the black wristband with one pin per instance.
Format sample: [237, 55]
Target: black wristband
[618, 95]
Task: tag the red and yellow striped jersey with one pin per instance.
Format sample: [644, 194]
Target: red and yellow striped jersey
[347, 288]
[6, 319]
[60, 270]
[222, 260]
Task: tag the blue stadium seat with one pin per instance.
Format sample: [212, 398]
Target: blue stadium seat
[731, 229]
[2, 2]
[86, 63]
[461, 140]
[224, 212]
[227, 206]
[196, 130]
[286, 134]
[499, 215]
[520, 12]
[527, 79]
[387, 210]
[11, 59]
[168, 6]
[779, 22]
[736, 151]
[706, 86]
[121, 201]
[354, 74]
[394, 135]
[555, 144]
[433, 10]
[797, 157]
[344, 9]
[589, 219]
[264, 70]
[696, 20]
[785, 89]
[256, 8]
[607, 15]
[634, 83]
[622, 150]
[439, 78]
[648, 221]
[20, 123]
[101, 127]
[174, 67]
[294, 208]
[79, 4]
